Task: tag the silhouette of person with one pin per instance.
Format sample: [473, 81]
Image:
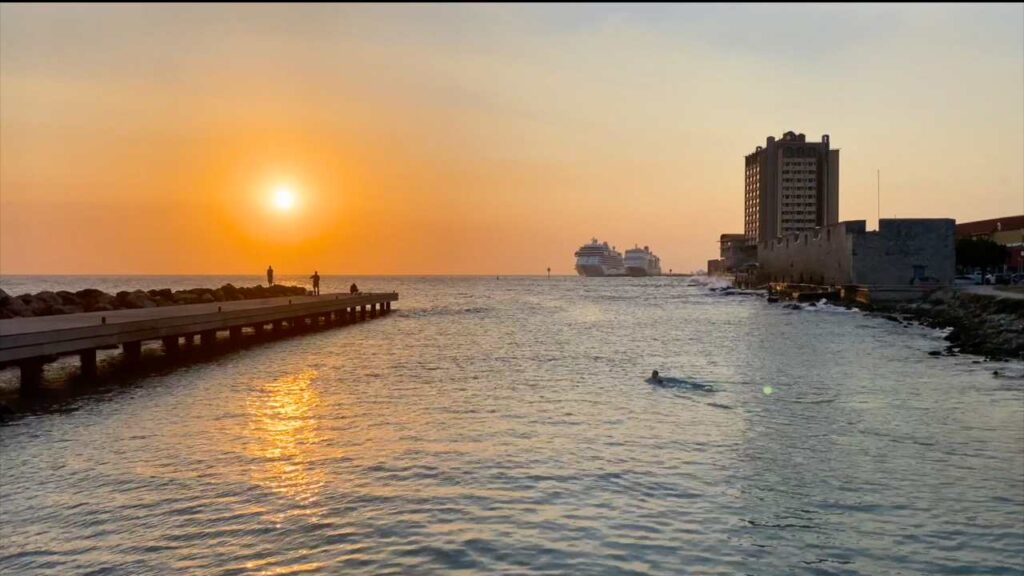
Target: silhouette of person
[316, 283]
[270, 276]
[655, 378]
[353, 289]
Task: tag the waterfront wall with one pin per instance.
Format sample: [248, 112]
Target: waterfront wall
[902, 253]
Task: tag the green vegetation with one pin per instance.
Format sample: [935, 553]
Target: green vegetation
[980, 253]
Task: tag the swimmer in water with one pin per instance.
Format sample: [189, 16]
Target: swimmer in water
[670, 382]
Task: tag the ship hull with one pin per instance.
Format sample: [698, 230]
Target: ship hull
[597, 271]
[637, 271]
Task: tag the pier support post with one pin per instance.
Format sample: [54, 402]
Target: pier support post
[351, 315]
[31, 373]
[278, 327]
[171, 344]
[235, 333]
[259, 329]
[208, 337]
[87, 358]
[132, 351]
[387, 307]
[362, 313]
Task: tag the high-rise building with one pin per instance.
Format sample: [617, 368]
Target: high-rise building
[790, 185]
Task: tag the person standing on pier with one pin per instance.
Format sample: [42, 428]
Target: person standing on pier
[270, 276]
[353, 289]
[316, 282]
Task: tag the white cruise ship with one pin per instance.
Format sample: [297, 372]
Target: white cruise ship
[642, 262]
[598, 259]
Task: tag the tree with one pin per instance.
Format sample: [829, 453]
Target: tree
[980, 253]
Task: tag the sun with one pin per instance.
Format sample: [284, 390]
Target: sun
[283, 199]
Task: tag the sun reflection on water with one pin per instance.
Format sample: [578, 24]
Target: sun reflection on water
[284, 434]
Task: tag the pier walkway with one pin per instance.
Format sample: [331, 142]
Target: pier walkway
[30, 343]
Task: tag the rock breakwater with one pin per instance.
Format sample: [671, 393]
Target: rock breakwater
[48, 303]
[981, 323]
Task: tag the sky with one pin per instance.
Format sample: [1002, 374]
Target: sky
[477, 139]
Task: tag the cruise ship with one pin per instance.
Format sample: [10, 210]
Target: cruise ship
[642, 262]
[598, 259]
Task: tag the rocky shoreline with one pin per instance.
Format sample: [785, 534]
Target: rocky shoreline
[987, 325]
[48, 303]
[981, 324]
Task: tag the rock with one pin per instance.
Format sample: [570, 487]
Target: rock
[4, 298]
[207, 297]
[282, 290]
[940, 296]
[92, 299]
[43, 303]
[161, 297]
[185, 297]
[161, 294]
[136, 299]
[218, 295]
[935, 353]
[16, 308]
[230, 292]
[68, 298]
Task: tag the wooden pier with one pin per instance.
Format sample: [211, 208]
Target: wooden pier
[30, 343]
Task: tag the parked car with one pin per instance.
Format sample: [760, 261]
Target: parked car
[964, 281]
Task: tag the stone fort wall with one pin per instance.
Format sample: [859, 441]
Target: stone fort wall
[903, 252]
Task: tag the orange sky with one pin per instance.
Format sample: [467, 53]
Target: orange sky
[478, 138]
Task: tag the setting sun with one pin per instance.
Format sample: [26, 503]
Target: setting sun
[283, 199]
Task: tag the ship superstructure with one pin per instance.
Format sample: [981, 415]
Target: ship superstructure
[599, 259]
[642, 262]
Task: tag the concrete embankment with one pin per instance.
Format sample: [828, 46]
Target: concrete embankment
[982, 323]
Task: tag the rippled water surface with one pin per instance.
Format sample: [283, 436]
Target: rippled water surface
[505, 426]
